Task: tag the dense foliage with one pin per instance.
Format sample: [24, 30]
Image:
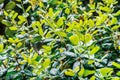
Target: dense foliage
[60, 39]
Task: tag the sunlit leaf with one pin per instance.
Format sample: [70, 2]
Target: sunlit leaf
[104, 71]
[29, 7]
[92, 78]
[60, 21]
[14, 16]
[88, 72]
[76, 69]
[81, 72]
[117, 13]
[88, 37]
[117, 65]
[46, 63]
[67, 10]
[1, 47]
[74, 39]
[69, 72]
[95, 50]
[24, 56]
[19, 44]
[13, 28]
[35, 56]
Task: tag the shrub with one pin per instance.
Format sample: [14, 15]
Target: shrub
[60, 39]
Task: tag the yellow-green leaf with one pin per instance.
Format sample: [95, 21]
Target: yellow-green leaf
[117, 13]
[88, 72]
[76, 69]
[50, 12]
[91, 23]
[91, 61]
[41, 31]
[24, 56]
[14, 16]
[46, 63]
[69, 72]
[81, 72]
[88, 37]
[107, 9]
[67, 10]
[35, 56]
[115, 78]
[22, 18]
[1, 47]
[74, 39]
[13, 28]
[29, 7]
[92, 78]
[118, 73]
[60, 21]
[19, 44]
[115, 27]
[11, 40]
[5, 13]
[61, 33]
[7, 23]
[46, 48]
[117, 65]
[105, 71]
[95, 50]
[113, 21]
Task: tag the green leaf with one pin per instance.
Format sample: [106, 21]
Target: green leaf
[92, 78]
[118, 73]
[50, 12]
[10, 5]
[13, 28]
[67, 11]
[117, 13]
[88, 38]
[88, 72]
[91, 23]
[95, 50]
[76, 69]
[24, 56]
[14, 16]
[115, 78]
[69, 72]
[61, 33]
[1, 47]
[35, 56]
[91, 61]
[105, 71]
[46, 48]
[40, 28]
[81, 72]
[21, 18]
[28, 9]
[106, 9]
[114, 21]
[7, 23]
[60, 21]
[74, 39]
[46, 63]
[117, 65]
[115, 27]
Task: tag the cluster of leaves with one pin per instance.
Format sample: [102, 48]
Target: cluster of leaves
[60, 39]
